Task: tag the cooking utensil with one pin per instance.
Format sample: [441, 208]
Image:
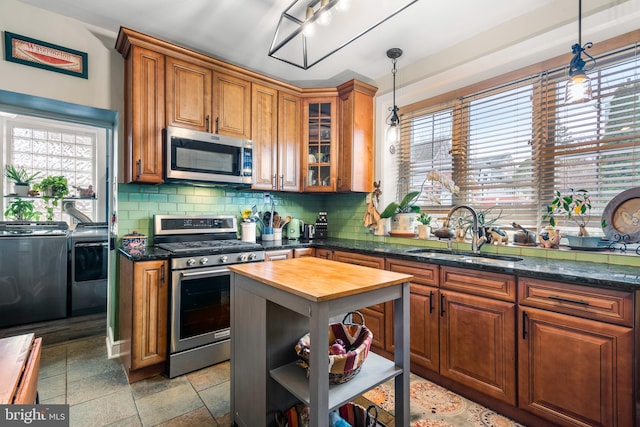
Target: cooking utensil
[276, 221]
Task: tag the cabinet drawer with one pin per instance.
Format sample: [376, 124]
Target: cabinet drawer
[423, 274]
[359, 259]
[324, 253]
[477, 282]
[592, 303]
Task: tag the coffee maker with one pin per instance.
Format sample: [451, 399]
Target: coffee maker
[321, 231]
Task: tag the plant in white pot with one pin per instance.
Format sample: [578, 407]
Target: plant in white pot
[575, 206]
[423, 228]
[53, 189]
[21, 178]
[404, 215]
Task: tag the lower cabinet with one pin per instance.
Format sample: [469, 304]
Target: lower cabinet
[144, 308]
[279, 254]
[303, 252]
[573, 368]
[324, 253]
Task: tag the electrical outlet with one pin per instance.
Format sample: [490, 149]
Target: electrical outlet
[266, 198]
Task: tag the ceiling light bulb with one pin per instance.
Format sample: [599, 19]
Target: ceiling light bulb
[308, 28]
[343, 5]
[324, 18]
[393, 133]
[578, 89]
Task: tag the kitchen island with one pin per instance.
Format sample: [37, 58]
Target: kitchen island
[274, 304]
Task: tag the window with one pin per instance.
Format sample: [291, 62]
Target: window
[53, 148]
[512, 146]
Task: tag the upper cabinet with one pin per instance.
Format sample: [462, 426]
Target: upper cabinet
[231, 106]
[309, 140]
[188, 95]
[319, 149]
[144, 115]
[355, 139]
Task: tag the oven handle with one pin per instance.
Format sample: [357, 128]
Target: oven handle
[86, 245]
[203, 273]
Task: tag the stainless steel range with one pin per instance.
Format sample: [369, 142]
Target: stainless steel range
[199, 318]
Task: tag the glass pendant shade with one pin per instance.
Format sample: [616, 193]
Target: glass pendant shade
[578, 89]
[393, 133]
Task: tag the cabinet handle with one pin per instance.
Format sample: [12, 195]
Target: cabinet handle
[281, 181]
[524, 325]
[162, 276]
[138, 168]
[207, 123]
[430, 302]
[568, 300]
[442, 305]
[217, 123]
[273, 182]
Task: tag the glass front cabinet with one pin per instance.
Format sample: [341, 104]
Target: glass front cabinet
[319, 156]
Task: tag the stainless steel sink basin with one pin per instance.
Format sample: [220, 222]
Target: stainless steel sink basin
[463, 256]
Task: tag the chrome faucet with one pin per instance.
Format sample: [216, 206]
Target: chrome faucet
[476, 240]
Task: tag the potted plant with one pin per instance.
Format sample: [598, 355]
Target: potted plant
[53, 189]
[21, 178]
[403, 215]
[423, 228]
[22, 210]
[576, 206]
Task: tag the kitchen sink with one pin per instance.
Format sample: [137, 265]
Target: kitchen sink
[463, 256]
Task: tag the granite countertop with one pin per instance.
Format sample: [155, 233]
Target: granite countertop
[580, 272]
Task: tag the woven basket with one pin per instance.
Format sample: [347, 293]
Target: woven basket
[342, 367]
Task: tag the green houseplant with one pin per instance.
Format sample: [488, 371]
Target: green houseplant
[575, 206]
[53, 189]
[22, 210]
[21, 178]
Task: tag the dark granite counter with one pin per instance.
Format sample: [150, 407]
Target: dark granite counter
[584, 273]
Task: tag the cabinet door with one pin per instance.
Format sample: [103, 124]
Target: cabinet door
[188, 95]
[150, 310]
[324, 253]
[303, 252]
[355, 143]
[264, 132]
[231, 106]
[319, 155]
[289, 141]
[144, 104]
[575, 371]
[477, 344]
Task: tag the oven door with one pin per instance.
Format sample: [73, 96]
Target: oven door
[200, 307]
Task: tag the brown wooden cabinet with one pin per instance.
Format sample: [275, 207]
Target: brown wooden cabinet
[324, 253]
[231, 105]
[303, 252]
[144, 113]
[477, 340]
[319, 153]
[425, 312]
[574, 368]
[144, 293]
[276, 120]
[355, 142]
[188, 95]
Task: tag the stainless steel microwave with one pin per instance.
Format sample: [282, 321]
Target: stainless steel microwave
[206, 157]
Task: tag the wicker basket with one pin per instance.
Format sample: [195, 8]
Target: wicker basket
[357, 338]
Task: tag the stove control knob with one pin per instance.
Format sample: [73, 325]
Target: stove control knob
[252, 256]
[191, 262]
[204, 260]
[224, 259]
[244, 257]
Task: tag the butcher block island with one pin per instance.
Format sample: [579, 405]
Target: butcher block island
[273, 304]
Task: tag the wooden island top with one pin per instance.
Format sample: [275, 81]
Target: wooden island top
[317, 279]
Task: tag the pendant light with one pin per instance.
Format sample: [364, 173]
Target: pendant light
[393, 131]
[578, 87]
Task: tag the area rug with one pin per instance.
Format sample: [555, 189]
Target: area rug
[433, 406]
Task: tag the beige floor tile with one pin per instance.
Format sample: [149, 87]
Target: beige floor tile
[156, 384]
[198, 417]
[104, 410]
[81, 368]
[167, 404]
[217, 399]
[210, 376]
[128, 422]
[53, 361]
[96, 386]
[52, 387]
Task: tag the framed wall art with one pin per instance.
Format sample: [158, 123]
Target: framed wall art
[48, 56]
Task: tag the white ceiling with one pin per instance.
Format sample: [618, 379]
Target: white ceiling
[433, 34]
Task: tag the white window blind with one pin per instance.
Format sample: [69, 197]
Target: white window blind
[514, 145]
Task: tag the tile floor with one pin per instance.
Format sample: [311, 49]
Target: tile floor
[79, 373]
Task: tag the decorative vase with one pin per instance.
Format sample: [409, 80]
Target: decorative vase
[424, 231]
[404, 223]
[382, 227]
[249, 232]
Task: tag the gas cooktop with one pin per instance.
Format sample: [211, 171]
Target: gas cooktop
[208, 246]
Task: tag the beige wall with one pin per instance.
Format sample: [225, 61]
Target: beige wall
[103, 88]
